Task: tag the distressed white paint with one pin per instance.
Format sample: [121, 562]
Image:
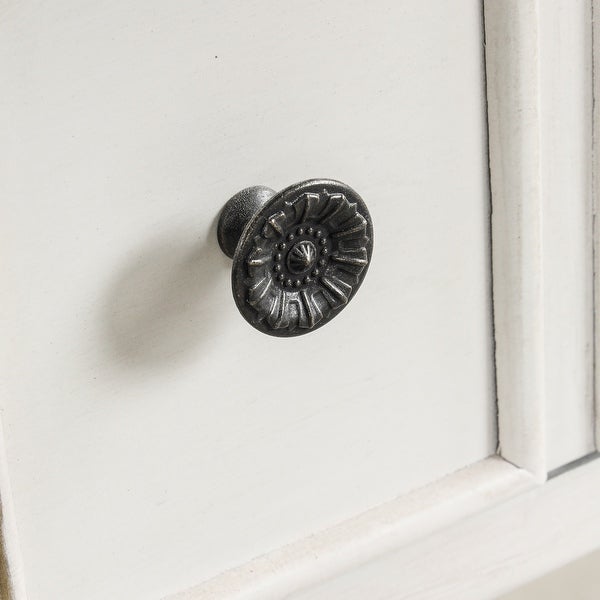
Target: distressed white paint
[538, 58]
[116, 446]
[153, 438]
[476, 558]
[565, 56]
[486, 555]
[350, 545]
[511, 33]
[596, 203]
[539, 104]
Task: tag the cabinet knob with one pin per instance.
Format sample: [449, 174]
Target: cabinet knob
[299, 255]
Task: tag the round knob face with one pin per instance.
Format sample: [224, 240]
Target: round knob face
[302, 257]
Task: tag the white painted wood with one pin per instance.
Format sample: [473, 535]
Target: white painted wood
[565, 55]
[350, 545]
[578, 579]
[596, 203]
[538, 60]
[153, 438]
[513, 88]
[128, 479]
[487, 555]
[539, 74]
[498, 549]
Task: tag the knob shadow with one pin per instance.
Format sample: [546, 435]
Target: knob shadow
[163, 304]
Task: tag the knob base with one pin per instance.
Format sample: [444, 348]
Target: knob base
[236, 214]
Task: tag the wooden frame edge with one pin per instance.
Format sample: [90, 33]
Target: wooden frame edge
[373, 534]
[596, 207]
[513, 87]
[488, 554]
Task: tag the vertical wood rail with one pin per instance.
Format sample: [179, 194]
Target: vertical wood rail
[596, 206]
[513, 87]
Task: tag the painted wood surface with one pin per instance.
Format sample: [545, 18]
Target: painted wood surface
[537, 531]
[565, 100]
[538, 59]
[487, 555]
[153, 439]
[596, 204]
[347, 548]
[579, 579]
[117, 459]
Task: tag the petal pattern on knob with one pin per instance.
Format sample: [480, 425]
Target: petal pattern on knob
[306, 261]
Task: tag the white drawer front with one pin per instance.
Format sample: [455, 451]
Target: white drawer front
[153, 437]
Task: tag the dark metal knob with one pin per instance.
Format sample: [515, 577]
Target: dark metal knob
[299, 255]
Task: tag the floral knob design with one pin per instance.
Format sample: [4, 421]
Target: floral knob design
[300, 257]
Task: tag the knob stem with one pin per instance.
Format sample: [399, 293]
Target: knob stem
[236, 214]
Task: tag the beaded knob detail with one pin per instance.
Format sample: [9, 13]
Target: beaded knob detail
[299, 255]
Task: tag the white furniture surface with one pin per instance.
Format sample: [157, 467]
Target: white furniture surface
[579, 580]
[156, 446]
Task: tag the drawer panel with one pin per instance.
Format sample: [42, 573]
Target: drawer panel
[153, 437]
